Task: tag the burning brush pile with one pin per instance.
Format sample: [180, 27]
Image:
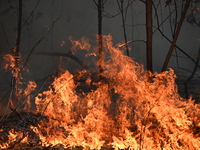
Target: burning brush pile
[124, 110]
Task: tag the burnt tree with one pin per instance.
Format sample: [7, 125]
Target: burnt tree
[148, 4]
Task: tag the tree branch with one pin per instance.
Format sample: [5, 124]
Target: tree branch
[158, 28]
[31, 13]
[123, 24]
[187, 4]
[40, 40]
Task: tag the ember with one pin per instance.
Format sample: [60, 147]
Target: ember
[123, 110]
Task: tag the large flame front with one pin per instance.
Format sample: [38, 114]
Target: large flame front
[126, 109]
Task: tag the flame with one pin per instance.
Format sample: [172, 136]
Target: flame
[11, 64]
[124, 110]
[22, 95]
[83, 43]
[27, 94]
[10, 61]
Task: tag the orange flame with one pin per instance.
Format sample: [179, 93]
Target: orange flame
[123, 111]
[20, 93]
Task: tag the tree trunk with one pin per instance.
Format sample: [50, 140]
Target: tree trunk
[149, 35]
[19, 29]
[121, 7]
[100, 59]
[15, 78]
[187, 4]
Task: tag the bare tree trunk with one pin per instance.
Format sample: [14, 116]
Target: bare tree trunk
[100, 59]
[19, 31]
[187, 4]
[148, 4]
[121, 7]
[15, 77]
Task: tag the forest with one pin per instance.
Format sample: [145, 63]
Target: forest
[100, 74]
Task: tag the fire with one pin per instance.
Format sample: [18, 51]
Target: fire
[127, 109]
[23, 95]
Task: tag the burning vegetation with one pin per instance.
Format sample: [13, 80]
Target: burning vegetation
[126, 109]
